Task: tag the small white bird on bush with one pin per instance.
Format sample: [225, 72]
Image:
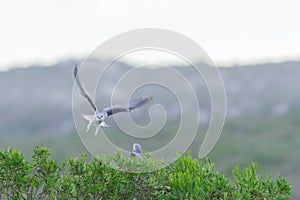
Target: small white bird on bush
[137, 151]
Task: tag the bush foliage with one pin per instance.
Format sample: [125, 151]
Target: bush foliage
[45, 178]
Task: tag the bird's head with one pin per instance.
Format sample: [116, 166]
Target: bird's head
[101, 116]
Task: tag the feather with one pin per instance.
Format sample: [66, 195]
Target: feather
[90, 119]
[103, 124]
[138, 102]
[83, 91]
[115, 109]
[96, 131]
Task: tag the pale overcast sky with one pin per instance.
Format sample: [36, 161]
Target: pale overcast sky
[231, 31]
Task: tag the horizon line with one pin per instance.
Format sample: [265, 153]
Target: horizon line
[226, 64]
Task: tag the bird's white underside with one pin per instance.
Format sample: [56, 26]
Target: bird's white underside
[92, 120]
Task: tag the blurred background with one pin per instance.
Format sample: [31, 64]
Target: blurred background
[255, 44]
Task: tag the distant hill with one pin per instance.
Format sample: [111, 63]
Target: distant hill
[38, 100]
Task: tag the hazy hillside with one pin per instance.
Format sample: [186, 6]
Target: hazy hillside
[262, 123]
[38, 100]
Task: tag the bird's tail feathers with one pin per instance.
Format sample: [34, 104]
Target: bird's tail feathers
[90, 119]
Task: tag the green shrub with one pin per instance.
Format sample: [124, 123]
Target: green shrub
[250, 185]
[196, 179]
[44, 178]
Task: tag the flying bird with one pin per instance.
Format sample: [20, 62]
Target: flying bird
[99, 117]
[137, 151]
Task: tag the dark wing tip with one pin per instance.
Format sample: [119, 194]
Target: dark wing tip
[75, 70]
[139, 102]
[149, 98]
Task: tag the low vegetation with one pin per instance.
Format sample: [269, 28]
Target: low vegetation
[44, 178]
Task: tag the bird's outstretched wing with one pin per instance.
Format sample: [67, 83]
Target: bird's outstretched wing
[82, 90]
[132, 105]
